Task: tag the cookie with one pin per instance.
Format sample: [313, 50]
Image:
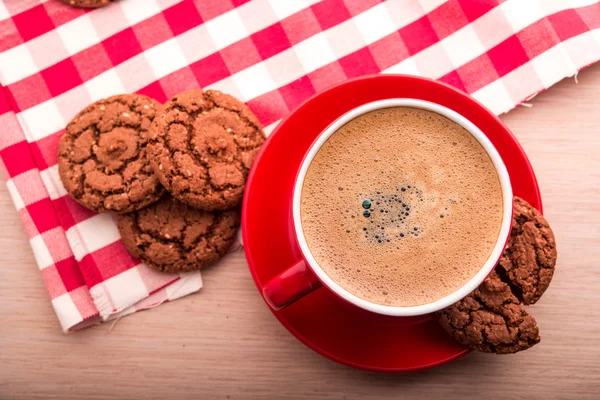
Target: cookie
[490, 319]
[202, 148]
[528, 261]
[102, 156]
[87, 3]
[171, 236]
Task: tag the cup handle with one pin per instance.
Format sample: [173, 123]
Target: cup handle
[289, 286]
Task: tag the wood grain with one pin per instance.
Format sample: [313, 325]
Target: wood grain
[224, 342]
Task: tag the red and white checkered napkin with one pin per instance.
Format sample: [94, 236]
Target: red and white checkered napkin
[271, 54]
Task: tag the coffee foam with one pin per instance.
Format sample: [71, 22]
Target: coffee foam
[405, 161]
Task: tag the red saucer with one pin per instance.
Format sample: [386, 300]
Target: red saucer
[323, 322]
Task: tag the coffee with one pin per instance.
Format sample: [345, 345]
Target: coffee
[401, 206]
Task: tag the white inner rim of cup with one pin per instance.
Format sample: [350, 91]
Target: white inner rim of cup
[486, 267]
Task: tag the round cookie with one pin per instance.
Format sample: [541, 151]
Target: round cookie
[87, 3]
[102, 156]
[171, 236]
[529, 258]
[202, 148]
[490, 319]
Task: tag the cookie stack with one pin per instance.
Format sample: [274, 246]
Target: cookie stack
[174, 174]
[492, 318]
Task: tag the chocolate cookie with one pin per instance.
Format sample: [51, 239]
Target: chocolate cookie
[170, 236]
[528, 261]
[490, 319]
[202, 147]
[102, 156]
[87, 3]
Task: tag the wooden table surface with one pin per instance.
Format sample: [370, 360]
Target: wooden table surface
[225, 343]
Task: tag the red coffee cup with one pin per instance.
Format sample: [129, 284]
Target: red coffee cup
[306, 275]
